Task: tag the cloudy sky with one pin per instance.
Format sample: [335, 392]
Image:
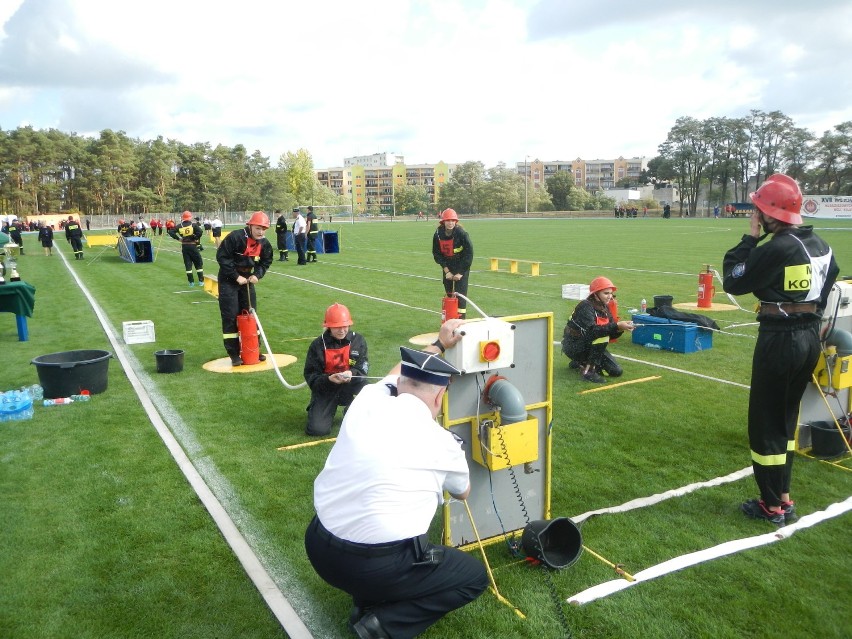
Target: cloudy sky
[432, 80]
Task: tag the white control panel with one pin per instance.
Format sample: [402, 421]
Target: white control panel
[488, 344]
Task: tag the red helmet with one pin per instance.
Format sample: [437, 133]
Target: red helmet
[449, 214]
[337, 316]
[779, 197]
[186, 216]
[259, 218]
[599, 284]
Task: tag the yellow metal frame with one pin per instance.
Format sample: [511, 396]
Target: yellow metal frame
[102, 240]
[547, 405]
[211, 285]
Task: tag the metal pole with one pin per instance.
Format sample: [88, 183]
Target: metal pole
[526, 185]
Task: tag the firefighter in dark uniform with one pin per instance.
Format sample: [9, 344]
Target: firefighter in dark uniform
[124, 228]
[589, 331]
[15, 228]
[188, 234]
[74, 234]
[313, 234]
[45, 236]
[453, 252]
[244, 256]
[335, 369]
[281, 236]
[791, 275]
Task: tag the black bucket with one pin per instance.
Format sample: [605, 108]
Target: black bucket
[169, 361]
[70, 372]
[826, 440]
[662, 300]
[555, 542]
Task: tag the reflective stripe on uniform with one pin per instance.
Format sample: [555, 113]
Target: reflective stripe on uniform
[769, 460]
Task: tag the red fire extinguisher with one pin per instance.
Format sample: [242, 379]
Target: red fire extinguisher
[613, 310]
[450, 305]
[706, 290]
[249, 345]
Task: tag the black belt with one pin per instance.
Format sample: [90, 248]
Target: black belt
[786, 308]
[364, 550]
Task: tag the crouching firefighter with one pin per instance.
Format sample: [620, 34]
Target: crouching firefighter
[244, 257]
[335, 369]
[588, 332]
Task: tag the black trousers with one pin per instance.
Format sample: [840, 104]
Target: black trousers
[77, 247]
[784, 359]
[405, 598]
[191, 257]
[323, 406]
[458, 287]
[312, 246]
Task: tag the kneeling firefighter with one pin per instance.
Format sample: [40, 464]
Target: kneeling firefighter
[335, 369]
[244, 257]
[589, 331]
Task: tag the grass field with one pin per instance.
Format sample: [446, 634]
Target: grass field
[102, 536]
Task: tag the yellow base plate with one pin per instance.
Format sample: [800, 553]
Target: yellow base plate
[223, 365]
[424, 339]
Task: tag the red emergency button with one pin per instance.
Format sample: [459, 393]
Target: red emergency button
[489, 351]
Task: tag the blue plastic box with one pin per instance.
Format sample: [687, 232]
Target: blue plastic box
[671, 335]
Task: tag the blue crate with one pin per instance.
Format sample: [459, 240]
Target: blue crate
[671, 335]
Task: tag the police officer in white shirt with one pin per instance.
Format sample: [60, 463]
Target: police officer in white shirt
[377, 494]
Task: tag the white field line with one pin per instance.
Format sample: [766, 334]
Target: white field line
[280, 606]
[708, 554]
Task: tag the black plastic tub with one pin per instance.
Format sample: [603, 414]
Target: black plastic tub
[555, 542]
[827, 441]
[70, 372]
[169, 361]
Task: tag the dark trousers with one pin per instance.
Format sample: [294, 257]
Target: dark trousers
[300, 247]
[784, 358]
[323, 406]
[458, 287]
[406, 599]
[233, 299]
[191, 257]
[312, 246]
[77, 247]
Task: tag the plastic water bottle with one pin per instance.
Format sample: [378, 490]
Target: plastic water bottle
[15, 405]
[656, 347]
[36, 392]
[643, 305]
[58, 401]
[80, 398]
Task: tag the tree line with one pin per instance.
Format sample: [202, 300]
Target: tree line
[720, 158]
[726, 158]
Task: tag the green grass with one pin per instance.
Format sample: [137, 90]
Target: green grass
[103, 537]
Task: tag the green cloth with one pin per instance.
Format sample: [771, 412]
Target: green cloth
[17, 298]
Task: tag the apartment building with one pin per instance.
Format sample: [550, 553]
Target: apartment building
[592, 175]
[371, 188]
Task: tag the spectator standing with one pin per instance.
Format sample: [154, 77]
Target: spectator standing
[45, 236]
[300, 236]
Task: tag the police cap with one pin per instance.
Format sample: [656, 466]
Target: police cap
[430, 368]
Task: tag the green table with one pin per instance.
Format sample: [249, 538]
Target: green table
[18, 298]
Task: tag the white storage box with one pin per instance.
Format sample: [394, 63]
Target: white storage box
[140, 332]
[575, 291]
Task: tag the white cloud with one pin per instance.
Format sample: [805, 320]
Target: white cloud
[489, 80]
